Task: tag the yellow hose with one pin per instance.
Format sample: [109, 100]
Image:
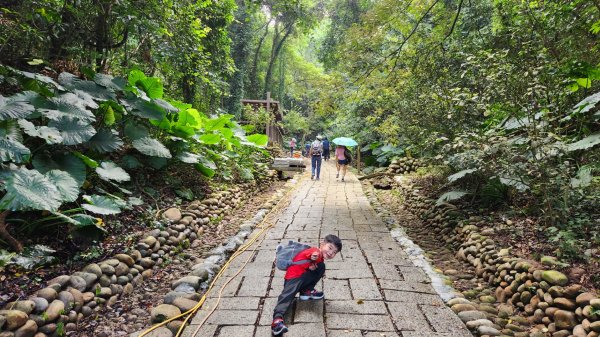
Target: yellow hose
[239, 251]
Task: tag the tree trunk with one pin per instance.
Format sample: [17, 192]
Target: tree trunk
[5, 235]
[276, 50]
[254, 69]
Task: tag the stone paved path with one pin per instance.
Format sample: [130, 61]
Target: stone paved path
[371, 287]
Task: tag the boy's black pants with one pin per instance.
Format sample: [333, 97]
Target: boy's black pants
[306, 281]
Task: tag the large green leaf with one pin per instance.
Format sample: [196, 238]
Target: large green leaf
[134, 76]
[67, 106]
[156, 162]
[152, 86]
[165, 105]
[13, 108]
[450, 196]
[588, 103]
[189, 117]
[210, 138]
[13, 150]
[206, 167]
[73, 83]
[65, 184]
[217, 123]
[105, 140]
[151, 147]
[101, 205]
[458, 175]
[585, 143]
[514, 182]
[144, 109]
[110, 171]
[10, 129]
[189, 158]
[64, 162]
[49, 134]
[135, 131]
[29, 189]
[113, 83]
[74, 131]
[130, 162]
[258, 139]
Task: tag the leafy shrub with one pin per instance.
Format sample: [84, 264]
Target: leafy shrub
[73, 141]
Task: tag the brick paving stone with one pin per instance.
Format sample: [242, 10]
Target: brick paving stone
[381, 334]
[348, 273]
[365, 288]
[229, 317]
[408, 316]
[428, 334]
[308, 312]
[361, 322]
[296, 330]
[356, 307]
[336, 289]
[233, 303]
[206, 330]
[410, 297]
[414, 274]
[254, 286]
[407, 286]
[444, 320]
[344, 333]
[236, 331]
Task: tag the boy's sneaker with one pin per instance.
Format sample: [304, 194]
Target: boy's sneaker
[278, 327]
[337, 175]
[311, 295]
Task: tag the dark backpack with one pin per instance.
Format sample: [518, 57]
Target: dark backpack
[348, 155]
[284, 254]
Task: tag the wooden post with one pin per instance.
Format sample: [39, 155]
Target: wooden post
[358, 158]
[268, 126]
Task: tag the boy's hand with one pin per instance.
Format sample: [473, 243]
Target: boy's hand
[314, 256]
[312, 267]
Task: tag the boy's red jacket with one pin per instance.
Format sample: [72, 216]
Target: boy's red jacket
[296, 270]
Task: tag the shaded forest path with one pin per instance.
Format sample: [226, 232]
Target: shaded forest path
[371, 288]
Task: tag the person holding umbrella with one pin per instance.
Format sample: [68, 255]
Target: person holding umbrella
[342, 154]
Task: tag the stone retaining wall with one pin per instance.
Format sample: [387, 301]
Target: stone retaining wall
[56, 309]
[519, 288]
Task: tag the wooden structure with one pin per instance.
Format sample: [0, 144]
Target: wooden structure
[288, 165]
[273, 131]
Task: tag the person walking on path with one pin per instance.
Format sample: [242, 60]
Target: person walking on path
[326, 149]
[341, 161]
[292, 146]
[306, 149]
[315, 154]
[302, 278]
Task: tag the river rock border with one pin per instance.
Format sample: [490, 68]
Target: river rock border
[523, 298]
[56, 309]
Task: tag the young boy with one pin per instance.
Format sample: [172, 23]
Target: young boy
[302, 278]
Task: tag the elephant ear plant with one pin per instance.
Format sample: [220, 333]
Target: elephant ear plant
[66, 146]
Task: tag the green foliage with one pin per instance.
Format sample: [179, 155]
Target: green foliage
[58, 140]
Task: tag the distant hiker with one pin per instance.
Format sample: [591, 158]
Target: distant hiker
[306, 149]
[341, 160]
[315, 154]
[292, 146]
[326, 149]
[302, 278]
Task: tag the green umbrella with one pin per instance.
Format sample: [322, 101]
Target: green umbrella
[345, 141]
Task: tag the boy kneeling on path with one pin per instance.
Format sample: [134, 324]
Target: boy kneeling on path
[303, 277]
